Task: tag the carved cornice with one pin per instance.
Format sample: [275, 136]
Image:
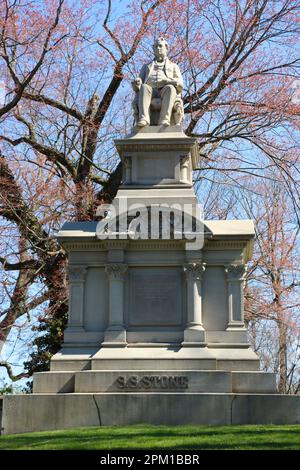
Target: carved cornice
[246, 246]
[128, 244]
[115, 244]
[84, 246]
[225, 244]
[161, 145]
[194, 271]
[149, 245]
[77, 273]
[145, 145]
[116, 270]
[96, 245]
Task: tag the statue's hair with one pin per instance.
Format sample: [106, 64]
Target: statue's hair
[161, 39]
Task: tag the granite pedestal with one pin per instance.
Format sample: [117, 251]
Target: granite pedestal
[156, 329]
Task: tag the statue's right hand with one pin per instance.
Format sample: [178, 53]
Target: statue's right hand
[137, 83]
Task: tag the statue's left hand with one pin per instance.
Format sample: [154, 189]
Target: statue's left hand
[172, 82]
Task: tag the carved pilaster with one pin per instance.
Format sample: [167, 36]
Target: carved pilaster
[194, 331]
[116, 271]
[127, 165]
[235, 281]
[115, 332]
[194, 271]
[184, 168]
[77, 275]
[235, 272]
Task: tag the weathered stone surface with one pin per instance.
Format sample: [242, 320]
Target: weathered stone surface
[184, 381]
[151, 289]
[157, 380]
[171, 358]
[266, 409]
[253, 382]
[72, 359]
[66, 365]
[25, 413]
[53, 382]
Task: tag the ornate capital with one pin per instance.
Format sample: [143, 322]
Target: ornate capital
[127, 162]
[184, 160]
[235, 272]
[194, 271]
[77, 273]
[116, 271]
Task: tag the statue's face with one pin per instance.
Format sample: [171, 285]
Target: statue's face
[160, 50]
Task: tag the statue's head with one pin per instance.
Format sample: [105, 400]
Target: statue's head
[161, 48]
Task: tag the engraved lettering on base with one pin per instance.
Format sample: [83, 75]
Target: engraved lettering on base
[147, 382]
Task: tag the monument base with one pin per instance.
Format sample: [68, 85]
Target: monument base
[185, 356]
[156, 330]
[163, 381]
[27, 413]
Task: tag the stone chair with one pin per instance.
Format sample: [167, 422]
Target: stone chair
[155, 107]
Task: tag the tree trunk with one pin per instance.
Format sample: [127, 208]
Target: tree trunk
[282, 354]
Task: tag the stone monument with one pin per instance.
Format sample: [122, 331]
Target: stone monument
[156, 331]
[158, 90]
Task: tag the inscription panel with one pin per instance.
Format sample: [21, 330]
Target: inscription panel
[155, 297]
[152, 167]
[152, 382]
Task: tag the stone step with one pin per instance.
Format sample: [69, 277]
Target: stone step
[152, 363]
[171, 358]
[54, 382]
[26, 413]
[163, 381]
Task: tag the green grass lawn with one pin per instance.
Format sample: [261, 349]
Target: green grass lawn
[159, 437]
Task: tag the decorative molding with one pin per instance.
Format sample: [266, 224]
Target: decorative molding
[84, 246]
[77, 273]
[225, 245]
[127, 165]
[161, 145]
[184, 168]
[96, 245]
[145, 145]
[184, 160]
[245, 245]
[127, 162]
[115, 244]
[116, 270]
[130, 245]
[194, 270]
[235, 272]
[155, 245]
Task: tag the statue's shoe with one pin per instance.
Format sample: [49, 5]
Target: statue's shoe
[165, 123]
[142, 123]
